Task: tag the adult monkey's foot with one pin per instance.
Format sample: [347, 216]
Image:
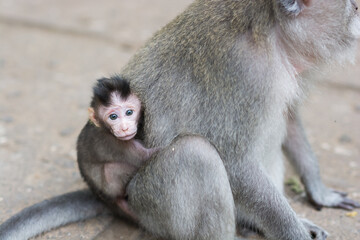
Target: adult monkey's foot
[326, 197]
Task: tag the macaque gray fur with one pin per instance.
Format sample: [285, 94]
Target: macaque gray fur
[232, 74]
[48, 214]
[107, 164]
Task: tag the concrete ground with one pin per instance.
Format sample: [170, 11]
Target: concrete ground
[52, 51]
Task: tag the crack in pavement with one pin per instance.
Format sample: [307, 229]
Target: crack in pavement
[47, 27]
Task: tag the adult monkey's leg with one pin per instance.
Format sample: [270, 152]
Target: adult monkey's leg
[260, 204]
[184, 193]
[300, 154]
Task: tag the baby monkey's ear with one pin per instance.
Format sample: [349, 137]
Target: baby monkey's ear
[92, 117]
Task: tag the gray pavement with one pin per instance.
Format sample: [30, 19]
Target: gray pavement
[51, 52]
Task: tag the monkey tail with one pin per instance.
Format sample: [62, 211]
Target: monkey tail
[52, 213]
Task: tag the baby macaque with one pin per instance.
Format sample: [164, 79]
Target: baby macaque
[108, 154]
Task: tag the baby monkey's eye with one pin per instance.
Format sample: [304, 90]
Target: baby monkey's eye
[129, 112]
[113, 116]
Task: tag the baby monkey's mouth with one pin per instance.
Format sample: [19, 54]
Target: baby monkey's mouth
[127, 137]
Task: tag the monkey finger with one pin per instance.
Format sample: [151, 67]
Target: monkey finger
[351, 202]
[343, 194]
[348, 204]
[345, 206]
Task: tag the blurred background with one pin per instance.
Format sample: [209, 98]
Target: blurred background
[51, 53]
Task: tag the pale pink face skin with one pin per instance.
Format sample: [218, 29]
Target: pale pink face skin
[122, 116]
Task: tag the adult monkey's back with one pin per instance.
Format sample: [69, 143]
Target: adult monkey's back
[232, 72]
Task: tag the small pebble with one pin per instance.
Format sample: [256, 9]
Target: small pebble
[67, 132]
[52, 64]
[345, 139]
[325, 146]
[2, 63]
[53, 148]
[7, 119]
[83, 105]
[2, 130]
[64, 162]
[355, 194]
[14, 94]
[38, 129]
[353, 164]
[357, 108]
[3, 140]
[72, 155]
[342, 151]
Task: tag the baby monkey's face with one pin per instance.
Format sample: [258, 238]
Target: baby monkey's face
[121, 116]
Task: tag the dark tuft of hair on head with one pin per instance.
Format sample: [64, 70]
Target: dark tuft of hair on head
[105, 86]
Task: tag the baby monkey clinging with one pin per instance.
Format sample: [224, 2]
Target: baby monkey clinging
[108, 154]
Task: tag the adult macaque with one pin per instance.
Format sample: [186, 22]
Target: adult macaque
[108, 155]
[233, 72]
